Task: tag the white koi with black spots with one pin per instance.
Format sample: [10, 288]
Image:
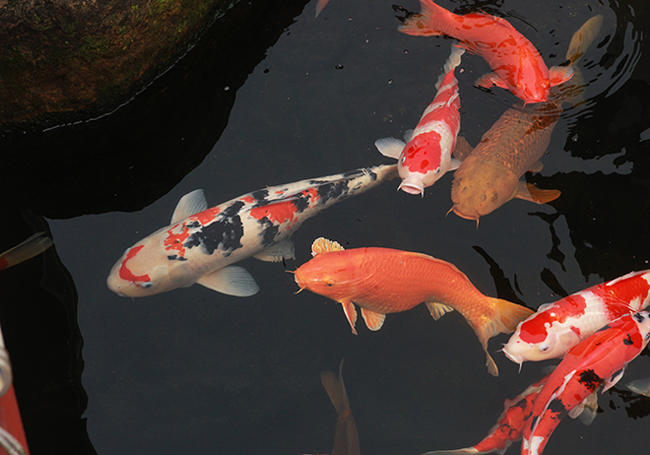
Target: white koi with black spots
[201, 244]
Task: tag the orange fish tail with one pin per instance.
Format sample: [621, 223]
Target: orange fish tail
[504, 319]
[427, 23]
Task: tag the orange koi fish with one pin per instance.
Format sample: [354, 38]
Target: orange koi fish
[516, 62]
[384, 280]
[346, 438]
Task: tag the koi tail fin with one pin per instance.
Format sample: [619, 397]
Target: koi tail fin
[346, 439]
[31, 247]
[320, 5]
[427, 22]
[505, 318]
[450, 65]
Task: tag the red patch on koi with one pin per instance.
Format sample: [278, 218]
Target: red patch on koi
[126, 274]
[206, 216]
[279, 212]
[175, 241]
[248, 199]
[535, 330]
[3, 263]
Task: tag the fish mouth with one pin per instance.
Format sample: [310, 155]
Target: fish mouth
[411, 188]
[457, 211]
[516, 358]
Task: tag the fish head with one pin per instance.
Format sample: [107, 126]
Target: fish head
[479, 188]
[147, 269]
[554, 345]
[420, 165]
[329, 274]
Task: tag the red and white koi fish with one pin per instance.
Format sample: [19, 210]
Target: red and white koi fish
[557, 327]
[427, 156]
[516, 63]
[509, 426]
[599, 360]
[201, 244]
[384, 280]
[346, 438]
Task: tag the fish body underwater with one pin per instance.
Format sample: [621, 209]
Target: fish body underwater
[346, 438]
[516, 62]
[201, 244]
[557, 327]
[597, 361]
[385, 280]
[509, 427]
[489, 176]
[427, 155]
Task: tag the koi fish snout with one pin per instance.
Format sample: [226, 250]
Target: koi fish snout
[412, 187]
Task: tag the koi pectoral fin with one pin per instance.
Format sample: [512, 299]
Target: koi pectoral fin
[490, 79]
[278, 252]
[350, 314]
[373, 320]
[438, 309]
[559, 74]
[390, 147]
[586, 411]
[462, 149]
[231, 280]
[529, 192]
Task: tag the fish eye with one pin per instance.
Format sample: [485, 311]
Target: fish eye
[544, 347]
[438, 171]
[146, 285]
[403, 159]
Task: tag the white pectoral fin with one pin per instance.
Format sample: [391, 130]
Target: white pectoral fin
[408, 135]
[611, 382]
[587, 410]
[277, 252]
[454, 164]
[191, 203]
[390, 147]
[640, 386]
[231, 280]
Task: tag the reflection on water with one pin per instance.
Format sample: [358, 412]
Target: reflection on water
[195, 371]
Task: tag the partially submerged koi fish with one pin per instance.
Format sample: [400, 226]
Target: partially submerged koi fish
[427, 156]
[201, 244]
[27, 249]
[346, 438]
[516, 62]
[384, 280]
[557, 327]
[509, 427]
[599, 360]
[489, 176]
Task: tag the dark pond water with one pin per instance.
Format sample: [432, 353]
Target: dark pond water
[194, 371]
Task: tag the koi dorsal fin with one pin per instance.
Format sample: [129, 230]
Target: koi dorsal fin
[323, 245]
[191, 203]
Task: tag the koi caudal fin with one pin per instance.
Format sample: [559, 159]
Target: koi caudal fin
[505, 318]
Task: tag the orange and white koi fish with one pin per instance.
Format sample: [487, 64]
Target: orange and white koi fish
[201, 244]
[557, 327]
[384, 280]
[516, 62]
[427, 156]
[489, 176]
[346, 438]
[509, 427]
[597, 361]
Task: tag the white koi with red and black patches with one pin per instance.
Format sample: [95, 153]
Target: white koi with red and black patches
[557, 327]
[599, 360]
[427, 156]
[201, 243]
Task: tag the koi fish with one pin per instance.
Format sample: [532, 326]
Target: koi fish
[427, 156]
[600, 360]
[509, 427]
[201, 244]
[384, 280]
[516, 62]
[489, 176]
[346, 438]
[27, 249]
[557, 327]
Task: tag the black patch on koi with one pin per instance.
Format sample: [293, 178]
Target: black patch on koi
[590, 379]
[639, 317]
[193, 224]
[224, 234]
[557, 408]
[175, 257]
[628, 340]
[333, 190]
[353, 173]
[260, 195]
